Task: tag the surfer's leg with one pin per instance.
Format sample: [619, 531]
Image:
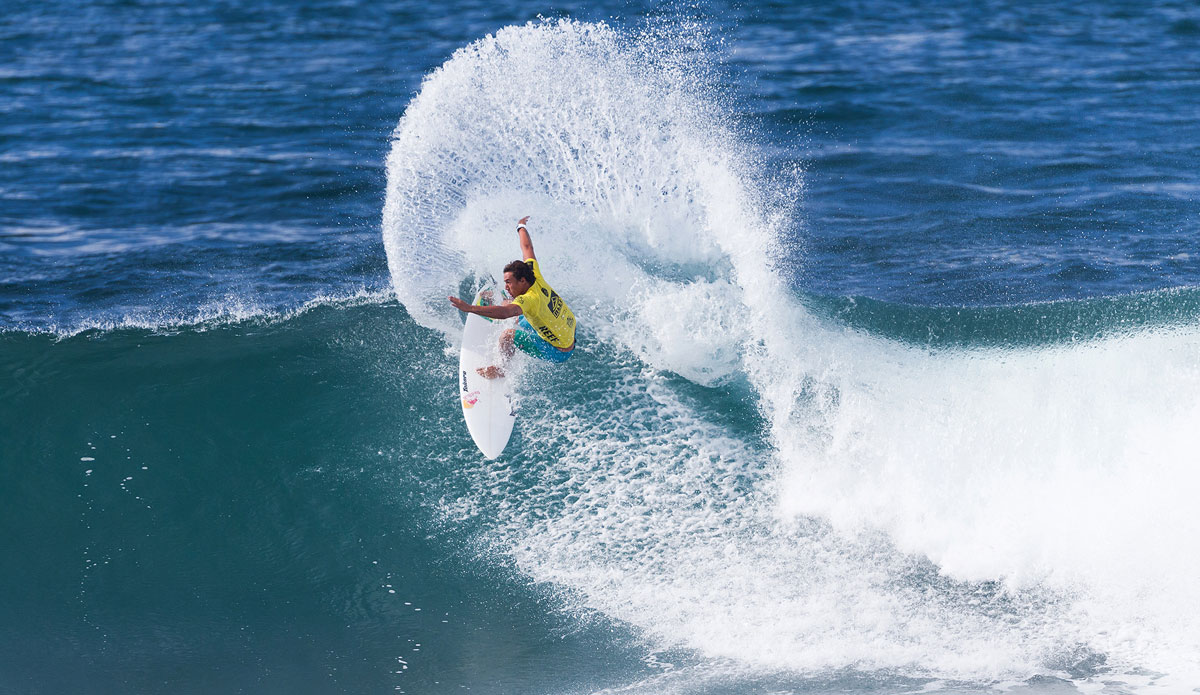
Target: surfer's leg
[506, 343]
[506, 351]
[522, 338]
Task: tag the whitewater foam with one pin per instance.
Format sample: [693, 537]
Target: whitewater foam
[980, 514]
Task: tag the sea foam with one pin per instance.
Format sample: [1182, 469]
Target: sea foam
[979, 514]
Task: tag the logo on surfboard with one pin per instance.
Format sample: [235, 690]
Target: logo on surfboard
[470, 399]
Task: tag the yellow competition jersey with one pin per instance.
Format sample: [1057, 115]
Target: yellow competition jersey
[546, 311]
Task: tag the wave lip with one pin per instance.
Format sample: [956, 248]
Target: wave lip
[600, 136]
[230, 310]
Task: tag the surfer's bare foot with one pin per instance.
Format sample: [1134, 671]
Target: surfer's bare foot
[490, 372]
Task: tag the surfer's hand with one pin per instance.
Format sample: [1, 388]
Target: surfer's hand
[523, 220]
[459, 304]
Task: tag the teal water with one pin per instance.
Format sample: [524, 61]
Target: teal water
[292, 504]
[250, 507]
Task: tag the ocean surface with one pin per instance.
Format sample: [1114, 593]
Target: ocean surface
[888, 377]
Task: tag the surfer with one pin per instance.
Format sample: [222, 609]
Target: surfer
[546, 329]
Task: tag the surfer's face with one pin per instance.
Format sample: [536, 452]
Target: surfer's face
[515, 286]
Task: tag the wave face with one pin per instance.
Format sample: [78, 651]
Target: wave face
[969, 510]
[255, 502]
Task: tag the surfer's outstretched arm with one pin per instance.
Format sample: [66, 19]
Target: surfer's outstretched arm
[526, 242]
[504, 311]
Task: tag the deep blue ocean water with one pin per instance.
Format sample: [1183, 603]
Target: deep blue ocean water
[889, 364]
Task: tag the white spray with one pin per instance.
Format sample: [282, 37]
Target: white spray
[1052, 488]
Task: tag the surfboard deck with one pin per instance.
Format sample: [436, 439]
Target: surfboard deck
[487, 404]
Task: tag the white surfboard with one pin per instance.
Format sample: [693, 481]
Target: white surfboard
[487, 404]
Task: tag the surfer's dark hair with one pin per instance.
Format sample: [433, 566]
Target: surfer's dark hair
[520, 270]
